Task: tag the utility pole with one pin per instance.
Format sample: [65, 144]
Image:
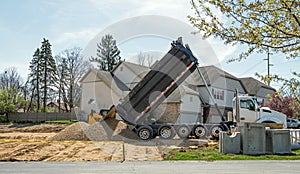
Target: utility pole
[268, 64]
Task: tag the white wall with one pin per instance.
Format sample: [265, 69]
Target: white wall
[190, 109]
[100, 93]
[127, 76]
[226, 85]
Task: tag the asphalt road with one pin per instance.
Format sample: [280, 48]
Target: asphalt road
[157, 167]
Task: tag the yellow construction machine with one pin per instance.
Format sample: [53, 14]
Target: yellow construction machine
[102, 115]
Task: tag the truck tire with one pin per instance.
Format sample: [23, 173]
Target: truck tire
[145, 132]
[199, 131]
[215, 131]
[183, 131]
[166, 132]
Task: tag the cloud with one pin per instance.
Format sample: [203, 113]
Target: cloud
[75, 38]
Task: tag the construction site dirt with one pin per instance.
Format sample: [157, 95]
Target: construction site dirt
[109, 141]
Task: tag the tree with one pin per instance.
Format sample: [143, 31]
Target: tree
[290, 87]
[261, 25]
[42, 75]
[285, 104]
[10, 103]
[145, 59]
[48, 70]
[34, 79]
[108, 54]
[11, 90]
[10, 79]
[71, 67]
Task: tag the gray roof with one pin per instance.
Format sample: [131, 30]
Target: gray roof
[109, 79]
[211, 74]
[253, 85]
[139, 70]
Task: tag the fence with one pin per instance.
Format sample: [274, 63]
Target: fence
[295, 138]
[41, 116]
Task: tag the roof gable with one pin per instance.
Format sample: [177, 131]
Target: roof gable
[253, 85]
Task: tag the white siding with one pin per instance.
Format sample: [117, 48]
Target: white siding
[100, 93]
[128, 77]
[228, 86]
[190, 109]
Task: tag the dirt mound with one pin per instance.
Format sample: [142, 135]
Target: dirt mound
[110, 129]
[40, 128]
[72, 132]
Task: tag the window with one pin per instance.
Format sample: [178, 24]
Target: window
[247, 104]
[191, 99]
[121, 68]
[218, 94]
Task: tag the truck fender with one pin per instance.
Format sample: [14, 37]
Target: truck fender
[269, 119]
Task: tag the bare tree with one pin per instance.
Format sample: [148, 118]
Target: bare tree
[71, 67]
[150, 60]
[10, 79]
[145, 59]
[141, 58]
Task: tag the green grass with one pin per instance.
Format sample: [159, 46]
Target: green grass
[62, 121]
[212, 154]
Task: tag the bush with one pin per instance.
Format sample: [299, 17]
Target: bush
[2, 119]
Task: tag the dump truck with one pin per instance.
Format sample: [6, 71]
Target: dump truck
[163, 78]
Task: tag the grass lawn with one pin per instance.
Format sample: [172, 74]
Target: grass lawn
[212, 154]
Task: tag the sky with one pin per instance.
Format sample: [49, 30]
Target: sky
[70, 23]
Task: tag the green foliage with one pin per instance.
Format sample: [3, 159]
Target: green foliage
[43, 74]
[10, 101]
[212, 154]
[260, 25]
[108, 54]
[287, 99]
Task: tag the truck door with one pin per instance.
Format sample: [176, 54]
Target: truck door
[248, 111]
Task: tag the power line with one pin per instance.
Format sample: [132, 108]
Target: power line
[251, 68]
[268, 64]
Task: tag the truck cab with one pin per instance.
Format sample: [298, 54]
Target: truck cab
[249, 111]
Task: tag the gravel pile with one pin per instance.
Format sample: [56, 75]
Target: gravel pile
[110, 129]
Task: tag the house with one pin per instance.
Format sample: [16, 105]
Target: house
[100, 90]
[58, 107]
[258, 89]
[130, 73]
[222, 86]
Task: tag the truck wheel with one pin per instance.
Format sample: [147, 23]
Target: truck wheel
[166, 132]
[215, 130]
[183, 131]
[145, 132]
[200, 131]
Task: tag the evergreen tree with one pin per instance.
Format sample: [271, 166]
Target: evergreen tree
[34, 80]
[108, 54]
[42, 75]
[48, 70]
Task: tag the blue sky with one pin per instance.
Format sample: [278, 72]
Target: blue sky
[69, 23]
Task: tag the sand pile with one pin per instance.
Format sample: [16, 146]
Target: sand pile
[72, 132]
[110, 129]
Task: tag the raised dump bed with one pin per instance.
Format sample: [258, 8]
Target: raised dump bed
[157, 85]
